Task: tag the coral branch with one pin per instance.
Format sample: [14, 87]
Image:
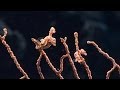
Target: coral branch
[51, 65]
[76, 41]
[69, 57]
[115, 65]
[48, 41]
[45, 44]
[61, 62]
[78, 56]
[58, 73]
[87, 69]
[42, 53]
[2, 38]
[39, 68]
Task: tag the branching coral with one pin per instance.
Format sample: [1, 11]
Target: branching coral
[115, 65]
[46, 43]
[2, 38]
[69, 57]
[49, 41]
[78, 56]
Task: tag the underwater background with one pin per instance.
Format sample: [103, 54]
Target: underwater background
[103, 27]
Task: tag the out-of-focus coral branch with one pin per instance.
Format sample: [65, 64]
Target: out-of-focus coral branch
[78, 56]
[115, 65]
[2, 38]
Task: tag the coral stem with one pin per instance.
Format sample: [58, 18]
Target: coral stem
[115, 65]
[2, 38]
